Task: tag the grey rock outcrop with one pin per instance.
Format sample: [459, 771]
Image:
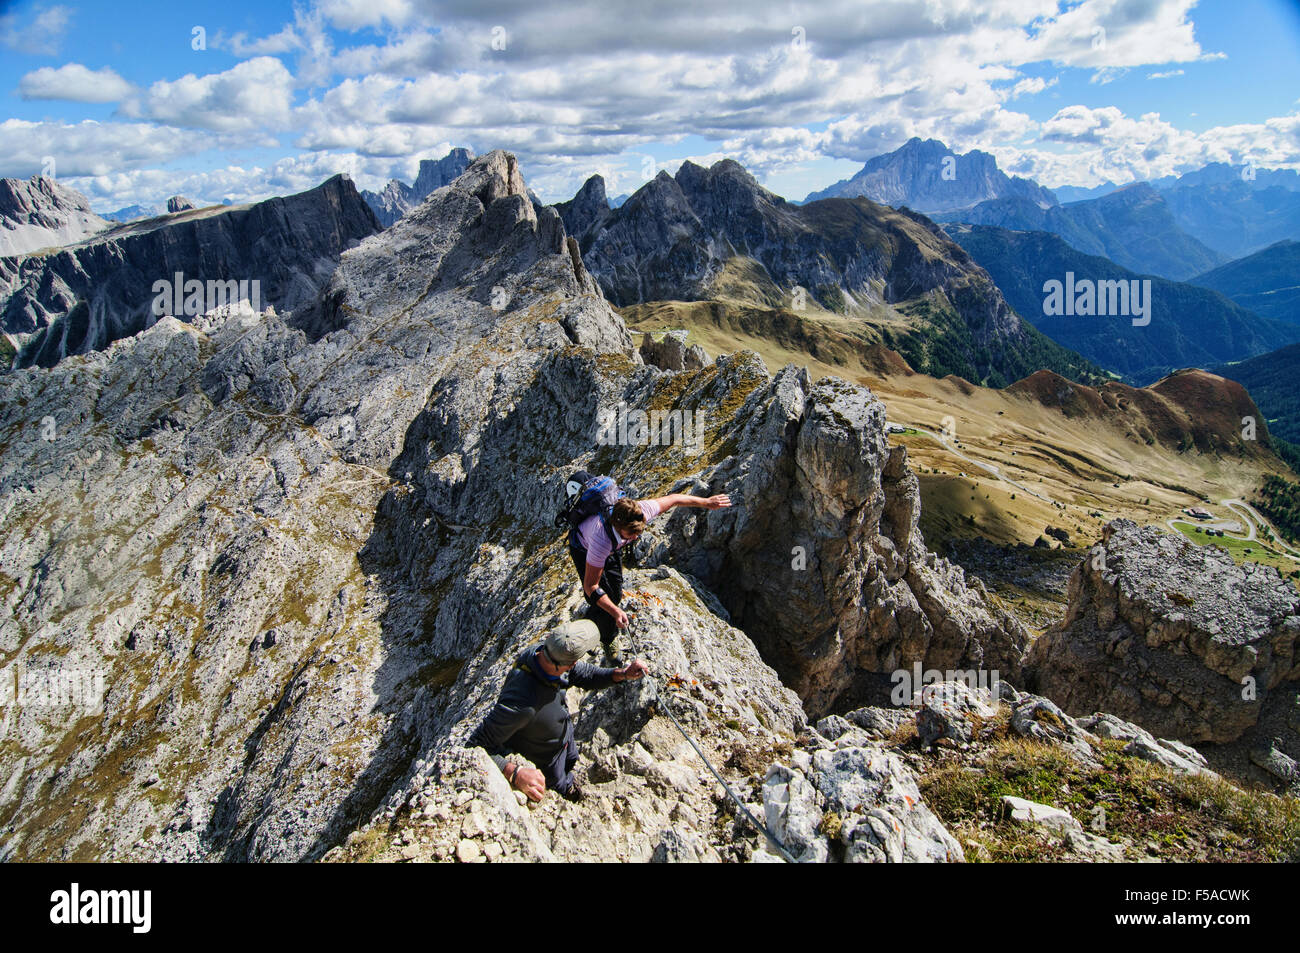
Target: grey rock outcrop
[179, 203]
[1175, 637]
[1021, 811]
[1174, 755]
[88, 295]
[872, 801]
[586, 212]
[951, 711]
[821, 559]
[672, 353]
[39, 213]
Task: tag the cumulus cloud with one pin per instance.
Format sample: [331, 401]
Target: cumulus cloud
[74, 82]
[249, 95]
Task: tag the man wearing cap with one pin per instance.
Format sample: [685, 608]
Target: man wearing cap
[531, 718]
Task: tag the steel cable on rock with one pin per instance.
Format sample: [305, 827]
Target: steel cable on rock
[660, 693]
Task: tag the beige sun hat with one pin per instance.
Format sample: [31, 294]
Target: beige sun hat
[567, 643]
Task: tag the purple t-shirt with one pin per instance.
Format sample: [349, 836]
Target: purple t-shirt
[595, 540]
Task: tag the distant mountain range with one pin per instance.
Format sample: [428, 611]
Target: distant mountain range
[1176, 226]
[397, 198]
[927, 176]
[1133, 227]
[717, 235]
[1237, 217]
[1215, 173]
[40, 213]
[1267, 282]
[133, 213]
[139, 213]
[1189, 325]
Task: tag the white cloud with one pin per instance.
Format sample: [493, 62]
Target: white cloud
[1031, 86]
[1083, 146]
[74, 82]
[41, 35]
[1166, 74]
[249, 95]
[94, 148]
[356, 14]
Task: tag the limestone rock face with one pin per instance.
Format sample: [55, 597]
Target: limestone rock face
[821, 559]
[587, 211]
[647, 795]
[212, 518]
[872, 796]
[1175, 637]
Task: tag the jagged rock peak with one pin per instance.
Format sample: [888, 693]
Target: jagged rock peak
[397, 198]
[435, 173]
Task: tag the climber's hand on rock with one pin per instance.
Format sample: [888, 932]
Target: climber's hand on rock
[532, 782]
[718, 502]
[632, 670]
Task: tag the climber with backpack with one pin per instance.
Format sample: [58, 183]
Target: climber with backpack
[602, 519]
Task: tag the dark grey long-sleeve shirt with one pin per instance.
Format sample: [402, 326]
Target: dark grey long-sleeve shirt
[532, 715]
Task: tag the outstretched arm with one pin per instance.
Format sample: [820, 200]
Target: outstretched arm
[685, 499]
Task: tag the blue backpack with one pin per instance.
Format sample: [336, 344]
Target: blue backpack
[586, 496]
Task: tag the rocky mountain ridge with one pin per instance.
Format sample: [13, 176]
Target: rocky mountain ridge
[717, 235]
[303, 545]
[300, 545]
[87, 295]
[41, 213]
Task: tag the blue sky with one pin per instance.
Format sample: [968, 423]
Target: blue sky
[284, 95]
